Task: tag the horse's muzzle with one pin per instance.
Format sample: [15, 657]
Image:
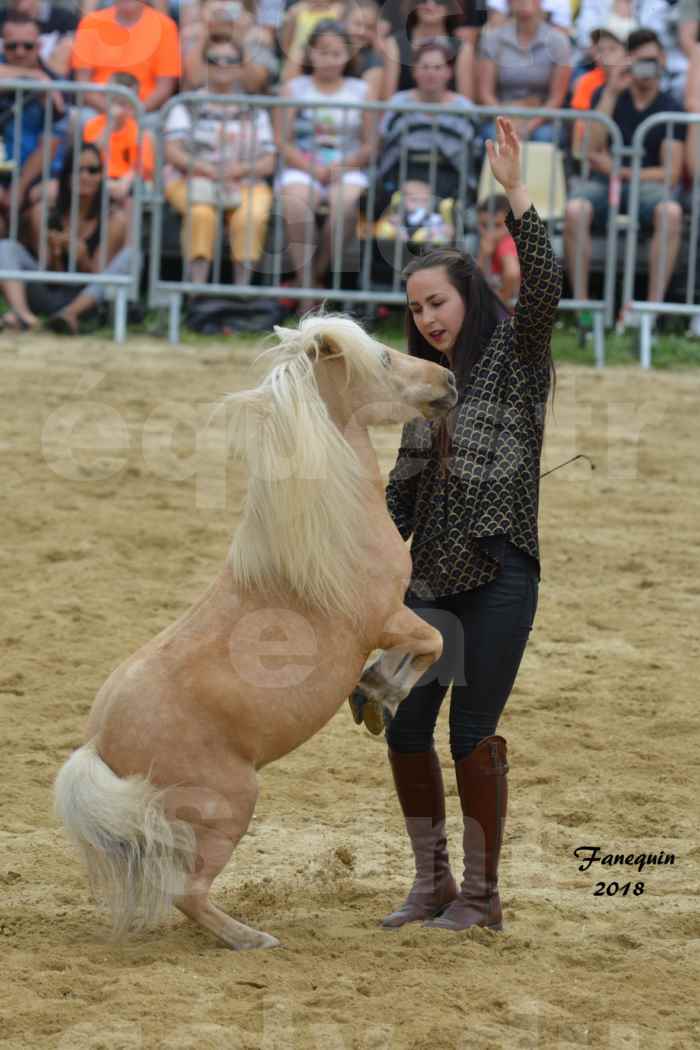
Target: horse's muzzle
[441, 405]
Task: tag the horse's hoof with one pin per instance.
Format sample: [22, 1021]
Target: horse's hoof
[373, 716]
[261, 940]
[357, 702]
[269, 941]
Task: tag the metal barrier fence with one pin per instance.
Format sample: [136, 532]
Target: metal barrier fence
[441, 137]
[429, 120]
[669, 238]
[62, 131]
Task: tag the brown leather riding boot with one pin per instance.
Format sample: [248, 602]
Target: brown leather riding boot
[483, 792]
[418, 780]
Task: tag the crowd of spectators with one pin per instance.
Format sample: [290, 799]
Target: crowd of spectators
[224, 162]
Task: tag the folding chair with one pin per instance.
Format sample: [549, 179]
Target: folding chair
[543, 174]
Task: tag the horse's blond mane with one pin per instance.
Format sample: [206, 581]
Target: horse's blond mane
[302, 517]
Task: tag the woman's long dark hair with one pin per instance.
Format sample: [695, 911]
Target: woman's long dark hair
[65, 188]
[483, 312]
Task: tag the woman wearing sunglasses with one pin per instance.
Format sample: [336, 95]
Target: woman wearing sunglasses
[219, 155]
[234, 20]
[95, 244]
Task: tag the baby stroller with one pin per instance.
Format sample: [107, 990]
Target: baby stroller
[425, 181]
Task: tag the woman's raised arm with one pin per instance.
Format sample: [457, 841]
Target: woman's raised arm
[540, 288]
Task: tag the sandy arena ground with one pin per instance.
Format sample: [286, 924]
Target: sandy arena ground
[111, 528]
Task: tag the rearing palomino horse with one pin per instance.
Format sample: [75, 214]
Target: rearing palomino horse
[166, 783]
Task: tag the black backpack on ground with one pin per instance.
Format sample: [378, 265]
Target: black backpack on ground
[211, 316]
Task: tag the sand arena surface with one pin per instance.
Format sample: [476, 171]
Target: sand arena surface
[104, 545]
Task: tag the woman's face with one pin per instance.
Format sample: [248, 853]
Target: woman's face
[437, 308]
[432, 72]
[89, 173]
[329, 55]
[608, 53]
[432, 11]
[361, 25]
[492, 225]
[525, 8]
[223, 66]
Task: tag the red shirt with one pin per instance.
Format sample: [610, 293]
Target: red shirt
[506, 246]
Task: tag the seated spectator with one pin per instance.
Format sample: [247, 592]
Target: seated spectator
[129, 37]
[661, 16]
[299, 22]
[65, 303]
[219, 156]
[631, 93]
[498, 255]
[617, 16]
[557, 12]
[226, 20]
[56, 28]
[362, 24]
[524, 63]
[429, 20]
[116, 134]
[608, 51]
[21, 59]
[467, 17]
[326, 150]
[416, 146]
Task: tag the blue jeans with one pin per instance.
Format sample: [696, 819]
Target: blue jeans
[484, 632]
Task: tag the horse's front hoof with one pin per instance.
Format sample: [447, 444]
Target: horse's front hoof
[357, 701]
[373, 717]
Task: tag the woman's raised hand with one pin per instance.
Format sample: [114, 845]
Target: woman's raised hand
[504, 154]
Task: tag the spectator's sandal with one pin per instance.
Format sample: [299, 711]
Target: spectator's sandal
[60, 325]
[12, 322]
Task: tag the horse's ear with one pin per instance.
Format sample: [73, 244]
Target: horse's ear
[327, 347]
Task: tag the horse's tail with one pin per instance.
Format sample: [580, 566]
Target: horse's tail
[137, 858]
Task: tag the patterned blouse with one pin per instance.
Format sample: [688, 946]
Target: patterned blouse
[460, 518]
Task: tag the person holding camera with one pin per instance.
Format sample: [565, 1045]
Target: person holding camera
[631, 93]
[234, 20]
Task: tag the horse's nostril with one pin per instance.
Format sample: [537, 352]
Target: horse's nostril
[451, 381]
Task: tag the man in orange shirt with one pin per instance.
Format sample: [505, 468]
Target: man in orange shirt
[129, 37]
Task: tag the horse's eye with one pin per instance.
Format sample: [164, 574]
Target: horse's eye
[385, 358]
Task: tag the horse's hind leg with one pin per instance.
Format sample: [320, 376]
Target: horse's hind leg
[217, 838]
